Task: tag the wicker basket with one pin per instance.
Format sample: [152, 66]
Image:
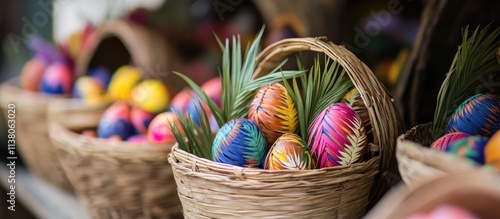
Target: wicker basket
[32, 139]
[418, 163]
[210, 190]
[476, 191]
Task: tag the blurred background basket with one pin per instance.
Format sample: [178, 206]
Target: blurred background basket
[475, 191]
[207, 189]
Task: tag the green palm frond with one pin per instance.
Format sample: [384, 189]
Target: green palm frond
[474, 60]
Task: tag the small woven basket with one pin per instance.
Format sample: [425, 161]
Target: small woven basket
[418, 163]
[476, 191]
[214, 190]
[32, 138]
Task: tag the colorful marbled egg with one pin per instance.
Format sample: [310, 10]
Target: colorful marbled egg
[471, 148]
[151, 95]
[57, 79]
[478, 115]
[273, 110]
[141, 119]
[213, 89]
[337, 137]
[181, 100]
[87, 87]
[241, 143]
[137, 139]
[159, 131]
[101, 74]
[31, 75]
[115, 121]
[289, 152]
[353, 99]
[123, 81]
[492, 151]
[441, 143]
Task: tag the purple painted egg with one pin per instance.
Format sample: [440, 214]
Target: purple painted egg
[181, 100]
[337, 137]
[441, 143]
[353, 100]
[274, 112]
[159, 131]
[101, 74]
[141, 119]
[137, 139]
[115, 121]
[57, 79]
[289, 152]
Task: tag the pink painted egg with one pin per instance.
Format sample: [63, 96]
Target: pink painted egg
[181, 100]
[31, 75]
[141, 119]
[441, 143]
[213, 88]
[137, 139]
[159, 131]
[115, 121]
[57, 79]
[337, 137]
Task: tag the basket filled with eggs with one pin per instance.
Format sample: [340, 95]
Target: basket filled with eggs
[469, 194]
[465, 132]
[48, 75]
[287, 143]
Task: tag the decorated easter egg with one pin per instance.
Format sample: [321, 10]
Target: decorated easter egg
[471, 148]
[181, 100]
[478, 115]
[101, 74]
[441, 143]
[194, 108]
[87, 87]
[137, 139]
[353, 100]
[115, 121]
[241, 143]
[141, 119]
[31, 75]
[57, 79]
[159, 131]
[151, 95]
[492, 151]
[289, 152]
[273, 110]
[337, 137]
[123, 81]
[213, 89]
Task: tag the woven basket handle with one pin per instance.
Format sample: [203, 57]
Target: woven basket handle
[381, 109]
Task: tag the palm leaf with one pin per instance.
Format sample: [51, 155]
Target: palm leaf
[474, 60]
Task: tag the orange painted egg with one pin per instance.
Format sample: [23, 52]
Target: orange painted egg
[492, 151]
[289, 152]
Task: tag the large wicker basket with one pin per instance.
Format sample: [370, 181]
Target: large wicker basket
[418, 163]
[476, 191]
[213, 190]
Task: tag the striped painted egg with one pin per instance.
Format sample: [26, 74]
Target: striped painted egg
[478, 115]
[159, 131]
[337, 137]
[57, 79]
[123, 81]
[151, 95]
[353, 99]
[289, 152]
[441, 143]
[141, 119]
[471, 148]
[273, 110]
[115, 121]
[241, 143]
[492, 151]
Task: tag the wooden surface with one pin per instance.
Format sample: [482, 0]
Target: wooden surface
[41, 198]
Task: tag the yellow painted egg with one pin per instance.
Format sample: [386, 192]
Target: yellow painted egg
[123, 81]
[289, 152]
[151, 95]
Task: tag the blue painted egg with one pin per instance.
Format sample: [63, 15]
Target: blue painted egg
[101, 74]
[478, 115]
[194, 106]
[241, 143]
[471, 148]
[141, 119]
[57, 79]
[115, 121]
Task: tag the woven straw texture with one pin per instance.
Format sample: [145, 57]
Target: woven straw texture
[118, 180]
[32, 138]
[213, 190]
[418, 163]
[476, 191]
